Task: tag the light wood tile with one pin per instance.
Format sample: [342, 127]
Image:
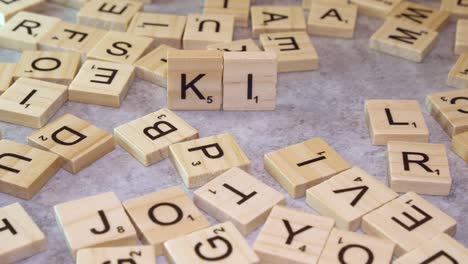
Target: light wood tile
[235, 46]
[460, 145]
[274, 19]
[461, 41]
[204, 30]
[376, 8]
[240, 9]
[458, 75]
[120, 255]
[306, 3]
[153, 66]
[458, 8]
[332, 20]
[9, 8]
[419, 15]
[7, 71]
[108, 14]
[77, 4]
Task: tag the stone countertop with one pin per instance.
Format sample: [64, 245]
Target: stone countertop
[327, 103]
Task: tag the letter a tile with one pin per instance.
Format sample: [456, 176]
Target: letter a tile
[119, 255]
[274, 19]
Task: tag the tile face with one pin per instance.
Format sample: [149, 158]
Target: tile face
[120, 47]
[24, 30]
[350, 247]
[306, 3]
[153, 66]
[377, 8]
[163, 28]
[9, 8]
[420, 15]
[130, 255]
[108, 14]
[249, 80]
[274, 19]
[460, 145]
[404, 40]
[201, 160]
[348, 196]
[7, 71]
[461, 41]
[238, 197]
[450, 109]
[190, 88]
[458, 75]
[332, 20]
[164, 215]
[240, 9]
[95, 221]
[292, 236]
[221, 243]
[24, 170]
[31, 103]
[458, 8]
[397, 120]
[203, 30]
[235, 46]
[51, 66]
[408, 221]
[441, 248]
[301, 166]
[21, 236]
[102, 83]
[78, 142]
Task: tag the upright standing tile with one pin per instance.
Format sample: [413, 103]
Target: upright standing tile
[164, 215]
[21, 237]
[294, 50]
[95, 221]
[235, 46]
[348, 196]
[461, 41]
[24, 169]
[78, 142]
[460, 145]
[404, 40]
[274, 19]
[9, 8]
[108, 14]
[249, 81]
[397, 120]
[408, 221]
[201, 160]
[238, 197]
[194, 88]
[51, 66]
[240, 9]
[120, 47]
[31, 103]
[24, 31]
[148, 138]
[153, 66]
[450, 109]
[301, 166]
[221, 243]
[458, 75]
[350, 247]
[7, 71]
[332, 20]
[203, 30]
[292, 236]
[121, 255]
[458, 8]
[102, 83]
[163, 28]
[419, 15]
[376, 8]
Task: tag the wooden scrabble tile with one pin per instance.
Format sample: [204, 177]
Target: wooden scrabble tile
[50, 66]
[408, 221]
[306, 3]
[450, 109]
[292, 236]
[24, 30]
[238, 197]
[349, 247]
[102, 83]
[397, 120]
[404, 40]
[301, 166]
[108, 14]
[201, 160]
[9, 8]
[164, 215]
[419, 167]
[235, 46]
[419, 15]
[7, 71]
[461, 42]
[153, 66]
[458, 75]
[77, 4]
[332, 20]
[148, 138]
[203, 30]
[21, 237]
[120, 47]
[221, 243]
[194, 88]
[24, 169]
[78, 142]
[441, 248]
[274, 19]
[458, 8]
[249, 80]
[163, 28]
[348, 196]
[376, 8]
[460, 145]
[95, 221]
[294, 50]
[240, 9]
[31, 103]
[121, 255]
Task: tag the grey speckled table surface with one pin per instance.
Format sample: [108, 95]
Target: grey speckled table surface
[328, 103]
